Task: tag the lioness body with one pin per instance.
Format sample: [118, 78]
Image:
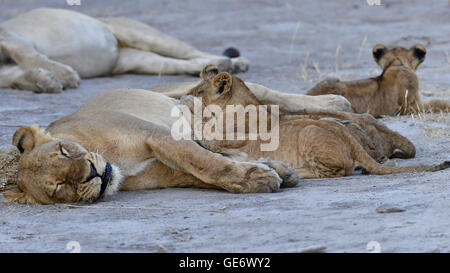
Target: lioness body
[130, 130]
[395, 91]
[45, 50]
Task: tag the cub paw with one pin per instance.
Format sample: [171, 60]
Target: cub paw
[338, 103]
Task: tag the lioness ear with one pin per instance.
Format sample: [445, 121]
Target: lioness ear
[419, 52]
[209, 72]
[223, 82]
[28, 137]
[378, 51]
[17, 196]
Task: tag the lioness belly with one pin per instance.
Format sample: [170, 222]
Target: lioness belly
[68, 37]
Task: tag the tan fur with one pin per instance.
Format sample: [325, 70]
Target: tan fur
[314, 147]
[130, 129]
[288, 102]
[66, 45]
[395, 91]
[9, 158]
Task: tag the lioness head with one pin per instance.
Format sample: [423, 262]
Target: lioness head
[399, 56]
[52, 170]
[222, 89]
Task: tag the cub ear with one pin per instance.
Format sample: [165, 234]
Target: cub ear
[209, 72]
[419, 51]
[17, 196]
[223, 82]
[28, 137]
[378, 51]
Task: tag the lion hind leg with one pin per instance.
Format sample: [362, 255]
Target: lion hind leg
[145, 62]
[137, 35]
[323, 153]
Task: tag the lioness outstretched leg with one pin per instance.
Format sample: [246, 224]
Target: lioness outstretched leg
[146, 62]
[36, 79]
[212, 168]
[23, 53]
[141, 37]
[158, 175]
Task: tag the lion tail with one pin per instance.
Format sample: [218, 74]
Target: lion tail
[231, 52]
[364, 159]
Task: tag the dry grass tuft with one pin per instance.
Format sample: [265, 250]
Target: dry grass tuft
[425, 120]
[9, 159]
[312, 74]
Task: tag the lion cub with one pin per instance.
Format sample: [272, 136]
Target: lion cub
[314, 147]
[395, 91]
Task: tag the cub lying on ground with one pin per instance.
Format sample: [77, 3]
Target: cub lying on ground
[395, 91]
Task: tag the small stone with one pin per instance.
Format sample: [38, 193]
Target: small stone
[389, 209]
[161, 249]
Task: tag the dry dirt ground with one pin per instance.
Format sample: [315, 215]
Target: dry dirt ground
[291, 45]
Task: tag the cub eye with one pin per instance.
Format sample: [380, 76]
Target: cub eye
[63, 151]
[199, 92]
[57, 188]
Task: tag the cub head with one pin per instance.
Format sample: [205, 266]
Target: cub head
[399, 56]
[222, 89]
[52, 171]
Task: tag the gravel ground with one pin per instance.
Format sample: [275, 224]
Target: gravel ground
[291, 45]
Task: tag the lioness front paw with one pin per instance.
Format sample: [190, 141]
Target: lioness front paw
[239, 65]
[44, 81]
[255, 178]
[287, 173]
[68, 76]
[338, 103]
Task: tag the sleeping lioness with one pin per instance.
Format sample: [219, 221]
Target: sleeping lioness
[121, 139]
[394, 91]
[46, 50]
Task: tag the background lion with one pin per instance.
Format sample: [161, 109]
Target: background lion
[46, 50]
[394, 91]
